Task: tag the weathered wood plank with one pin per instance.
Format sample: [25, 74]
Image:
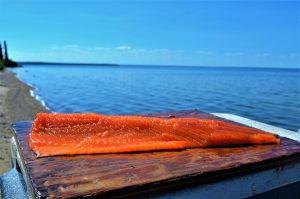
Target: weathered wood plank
[86, 175]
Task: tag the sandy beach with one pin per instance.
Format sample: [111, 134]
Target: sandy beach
[16, 104]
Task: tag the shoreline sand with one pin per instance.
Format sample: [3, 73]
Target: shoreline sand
[16, 104]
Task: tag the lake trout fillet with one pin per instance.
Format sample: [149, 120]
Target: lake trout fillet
[70, 134]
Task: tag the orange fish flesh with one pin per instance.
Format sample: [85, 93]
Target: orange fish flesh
[70, 134]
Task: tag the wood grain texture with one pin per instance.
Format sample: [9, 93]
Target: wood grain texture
[110, 174]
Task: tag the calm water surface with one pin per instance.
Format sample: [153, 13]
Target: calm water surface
[268, 95]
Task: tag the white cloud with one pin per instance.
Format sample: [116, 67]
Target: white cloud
[204, 53]
[123, 48]
[160, 50]
[125, 54]
[71, 46]
[262, 54]
[118, 54]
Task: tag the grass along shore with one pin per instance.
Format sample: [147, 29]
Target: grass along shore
[16, 104]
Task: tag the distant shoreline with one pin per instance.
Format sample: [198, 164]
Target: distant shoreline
[153, 65]
[66, 63]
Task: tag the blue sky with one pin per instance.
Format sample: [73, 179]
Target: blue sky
[210, 33]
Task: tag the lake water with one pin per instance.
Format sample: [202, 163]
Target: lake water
[267, 95]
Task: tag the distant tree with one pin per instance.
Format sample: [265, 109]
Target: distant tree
[5, 52]
[6, 62]
[1, 59]
[1, 55]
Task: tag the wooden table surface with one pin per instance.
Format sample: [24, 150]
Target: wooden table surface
[125, 175]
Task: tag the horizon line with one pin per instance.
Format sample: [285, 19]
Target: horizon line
[170, 65]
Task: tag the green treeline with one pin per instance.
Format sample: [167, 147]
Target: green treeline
[5, 61]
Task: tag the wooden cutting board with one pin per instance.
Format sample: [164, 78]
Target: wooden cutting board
[125, 175]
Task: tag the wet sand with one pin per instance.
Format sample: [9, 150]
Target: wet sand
[16, 104]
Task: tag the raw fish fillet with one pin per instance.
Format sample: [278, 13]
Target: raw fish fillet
[69, 134]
